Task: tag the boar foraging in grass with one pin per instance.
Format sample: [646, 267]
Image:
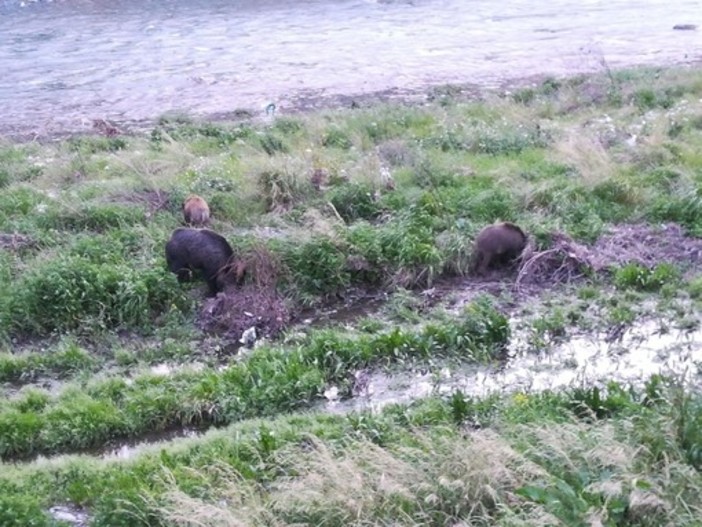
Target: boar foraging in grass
[191, 250]
[500, 243]
[196, 212]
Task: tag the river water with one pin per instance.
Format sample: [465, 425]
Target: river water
[67, 62]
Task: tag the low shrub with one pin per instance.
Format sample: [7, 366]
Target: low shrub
[73, 292]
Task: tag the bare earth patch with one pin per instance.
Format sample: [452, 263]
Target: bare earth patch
[236, 310]
[153, 200]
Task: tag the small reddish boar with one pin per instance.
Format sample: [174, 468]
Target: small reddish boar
[196, 211]
[203, 250]
[499, 243]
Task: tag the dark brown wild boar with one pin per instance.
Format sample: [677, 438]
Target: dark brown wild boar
[498, 244]
[202, 250]
[196, 212]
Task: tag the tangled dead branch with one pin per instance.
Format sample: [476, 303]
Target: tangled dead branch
[566, 260]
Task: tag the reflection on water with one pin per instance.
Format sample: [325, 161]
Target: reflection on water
[66, 62]
[642, 351]
[128, 449]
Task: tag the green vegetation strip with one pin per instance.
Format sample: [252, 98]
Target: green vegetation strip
[270, 381]
[402, 192]
[632, 457]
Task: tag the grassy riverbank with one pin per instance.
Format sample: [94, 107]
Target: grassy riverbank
[324, 208]
[620, 457]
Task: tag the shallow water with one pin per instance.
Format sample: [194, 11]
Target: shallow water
[642, 351]
[66, 62]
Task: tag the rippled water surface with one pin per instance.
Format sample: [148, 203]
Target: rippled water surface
[67, 62]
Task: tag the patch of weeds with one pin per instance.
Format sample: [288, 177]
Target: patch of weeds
[22, 511]
[548, 88]
[428, 174]
[688, 426]
[408, 244]
[112, 247]
[354, 200]
[370, 325]
[663, 178]
[318, 267]
[621, 313]
[637, 276]
[280, 189]
[694, 287]
[613, 192]
[15, 166]
[238, 208]
[550, 327]
[94, 144]
[404, 306]
[288, 125]
[397, 153]
[20, 201]
[595, 402]
[272, 144]
[524, 96]
[588, 292]
[204, 184]
[647, 99]
[125, 357]
[179, 129]
[451, 140]
[686, 210]
[98, 218]
[512, 141]
[336, 138]
[478, 200]
[32, 400]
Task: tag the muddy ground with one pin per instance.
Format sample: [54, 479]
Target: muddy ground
[235, 311]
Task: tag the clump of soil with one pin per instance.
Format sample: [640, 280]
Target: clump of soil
[644, 244]
[236, 310]
[15, 242]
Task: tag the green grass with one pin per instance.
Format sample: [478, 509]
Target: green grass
[383, 199]
[269, 381]
[536, 454]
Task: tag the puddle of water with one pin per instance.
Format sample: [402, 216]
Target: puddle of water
[70, 514]
[166, 369]
[341, 315]
[129, 449]
[65, 63]
[641, 352]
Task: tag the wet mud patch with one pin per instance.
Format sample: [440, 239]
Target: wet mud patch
[233, 313]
